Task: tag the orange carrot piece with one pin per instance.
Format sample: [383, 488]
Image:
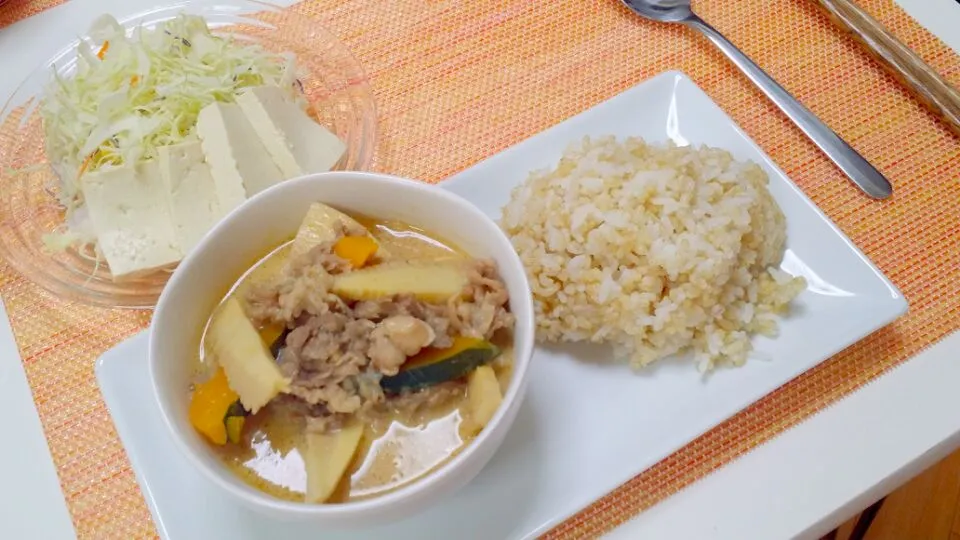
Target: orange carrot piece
[356, 249]
[85, 164]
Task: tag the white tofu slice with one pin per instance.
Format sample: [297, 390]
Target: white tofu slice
[297, 143]
[191, 192]
[130, 213]
[240, 164]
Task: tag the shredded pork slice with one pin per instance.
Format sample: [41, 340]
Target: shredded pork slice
[303, 287]
[335, 353]
[323, 354]
[435, 315]
[397, 338]
[484, 311]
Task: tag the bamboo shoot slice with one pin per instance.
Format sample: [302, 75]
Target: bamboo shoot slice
[327, 459]
[319, 226]
[430, 283]
[483, 394]
[250, 368]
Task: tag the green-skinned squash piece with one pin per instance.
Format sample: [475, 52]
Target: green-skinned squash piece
[434, 366]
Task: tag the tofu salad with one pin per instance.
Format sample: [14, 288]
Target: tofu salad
[161, 132]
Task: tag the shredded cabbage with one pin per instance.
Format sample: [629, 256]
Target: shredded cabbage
[132, 94]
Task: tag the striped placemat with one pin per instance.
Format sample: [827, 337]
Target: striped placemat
[12, 11]
[458, 81]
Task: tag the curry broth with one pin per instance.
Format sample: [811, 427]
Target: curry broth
[396, 449]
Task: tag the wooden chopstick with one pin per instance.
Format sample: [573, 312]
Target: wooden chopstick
[904, 64]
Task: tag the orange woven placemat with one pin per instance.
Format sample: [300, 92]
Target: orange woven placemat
[12, 11]
[458, 81]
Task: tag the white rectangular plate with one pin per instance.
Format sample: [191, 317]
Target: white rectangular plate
[585, 428]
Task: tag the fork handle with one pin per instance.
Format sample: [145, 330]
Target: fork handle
[858, 169]
[904, 64]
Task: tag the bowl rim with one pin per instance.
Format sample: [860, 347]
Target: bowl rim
[54, 282]
[513, 398]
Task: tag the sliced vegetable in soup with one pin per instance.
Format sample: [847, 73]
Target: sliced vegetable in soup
[352, 360]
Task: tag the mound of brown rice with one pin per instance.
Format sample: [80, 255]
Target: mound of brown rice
[657, 250]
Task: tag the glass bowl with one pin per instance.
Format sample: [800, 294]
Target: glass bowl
[333, 82]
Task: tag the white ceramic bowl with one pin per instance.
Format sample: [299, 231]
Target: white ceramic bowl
[264, 222]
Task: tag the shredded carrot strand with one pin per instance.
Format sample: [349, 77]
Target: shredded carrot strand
[103, 49]
[85, 164]
[134, 79]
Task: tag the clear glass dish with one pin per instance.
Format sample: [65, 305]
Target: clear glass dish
[333, 82]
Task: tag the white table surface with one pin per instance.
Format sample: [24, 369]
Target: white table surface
[802, 484]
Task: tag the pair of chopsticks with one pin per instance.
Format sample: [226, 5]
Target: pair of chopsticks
[928, 86]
